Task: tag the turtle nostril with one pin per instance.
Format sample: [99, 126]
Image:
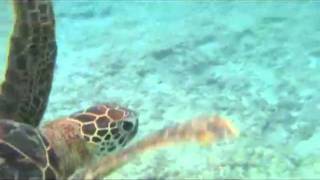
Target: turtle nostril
[127, 126]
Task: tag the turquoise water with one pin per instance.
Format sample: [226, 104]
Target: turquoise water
[171, 61]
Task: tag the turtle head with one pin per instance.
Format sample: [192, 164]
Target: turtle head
[97, 130]
[106, 127]
[93, 132]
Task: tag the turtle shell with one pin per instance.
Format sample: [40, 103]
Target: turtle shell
[25, 153]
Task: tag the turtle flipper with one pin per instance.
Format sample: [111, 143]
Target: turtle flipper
[32, 54]
[204, 130]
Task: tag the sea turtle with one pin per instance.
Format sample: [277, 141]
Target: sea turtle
[60, 147]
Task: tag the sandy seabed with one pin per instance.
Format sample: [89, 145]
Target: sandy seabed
[256, 63]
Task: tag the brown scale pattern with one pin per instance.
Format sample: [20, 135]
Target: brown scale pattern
[99, 122]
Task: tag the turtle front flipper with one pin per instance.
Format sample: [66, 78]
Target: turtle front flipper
[204, 130]
[32, 54]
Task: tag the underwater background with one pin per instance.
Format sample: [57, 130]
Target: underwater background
[255, 62]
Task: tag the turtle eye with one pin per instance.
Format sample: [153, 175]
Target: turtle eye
[127, 126]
